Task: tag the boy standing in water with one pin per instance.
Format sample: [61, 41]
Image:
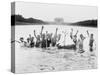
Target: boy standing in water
[37, 44]
[22, 42]
[28, 42]
[32, 42]
[43, 38]
[48, 39]
[54, 39]
[80, 43]
[91, 41]
[74, 38]
[43, 41]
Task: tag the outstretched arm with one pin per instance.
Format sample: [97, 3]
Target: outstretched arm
[71, 34]
[15, 41]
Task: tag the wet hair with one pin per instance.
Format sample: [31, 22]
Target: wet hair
[81, 35]
[38, 36]
[91, 34]
[32, 37]
[75, 35]
[21, 38]
[43, 35]
[28, 39]
[29, 34]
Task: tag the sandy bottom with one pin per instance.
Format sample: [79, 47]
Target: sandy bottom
[42, 60]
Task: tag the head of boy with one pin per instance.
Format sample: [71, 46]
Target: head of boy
[21, 39]
[32, 38]
[38, 37]
[28, 39]
[91, 35]
[81, 36]
[43, 36]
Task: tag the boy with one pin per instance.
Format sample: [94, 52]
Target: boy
[91, 41]
[37, 39]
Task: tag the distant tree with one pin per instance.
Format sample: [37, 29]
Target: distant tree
[90, 23]
[21, 19]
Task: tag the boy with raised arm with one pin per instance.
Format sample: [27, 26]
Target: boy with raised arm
[30, 41]
[48, 39]
[38, 41]
[74, 37]
[43, 38]
[54, 39]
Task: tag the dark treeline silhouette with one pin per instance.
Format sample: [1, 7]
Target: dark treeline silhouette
[20, 20]
[88, 23]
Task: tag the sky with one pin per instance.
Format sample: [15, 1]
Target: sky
[48, 12]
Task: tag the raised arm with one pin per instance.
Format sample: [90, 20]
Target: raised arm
[87, 32]
[71, 34]
[35, 34]
[41, 30]
[76, 33]
[84, 37]
[56, 32]
[59, 36]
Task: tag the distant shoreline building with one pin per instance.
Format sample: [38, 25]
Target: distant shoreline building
[59, 20]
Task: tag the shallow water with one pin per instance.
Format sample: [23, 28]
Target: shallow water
[39, 60]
